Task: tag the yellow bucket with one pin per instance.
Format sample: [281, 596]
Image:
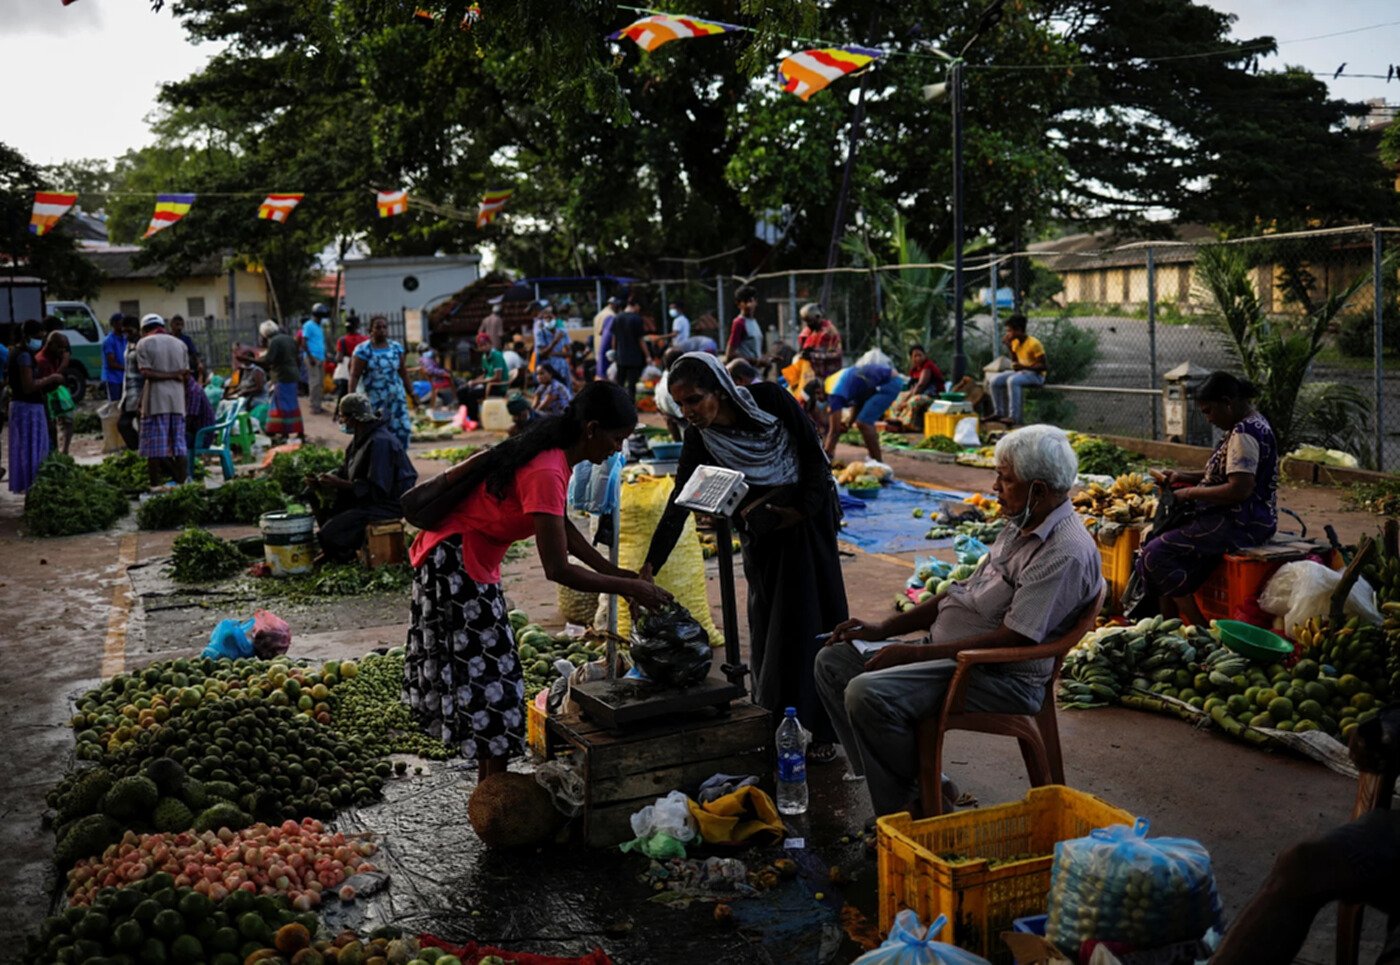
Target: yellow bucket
[289, 542]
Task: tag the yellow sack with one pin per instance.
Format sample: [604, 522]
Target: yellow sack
[642, 503]
[576, 606]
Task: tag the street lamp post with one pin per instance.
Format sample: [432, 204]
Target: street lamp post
[956, 91]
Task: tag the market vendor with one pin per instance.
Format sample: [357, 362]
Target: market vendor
[925, 377]
[1043, 570]
[367, 486]
[462, 676]
[1028, 368]
[1233, 498]
[248, 381]
[490, 381]
[866, 391]
[787, 527]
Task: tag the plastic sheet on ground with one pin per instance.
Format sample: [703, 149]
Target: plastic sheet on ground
[887, 524]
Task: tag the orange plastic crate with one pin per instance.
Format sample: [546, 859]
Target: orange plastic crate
[1237, 581]
[944, 423]
[1117, 562]
[535, 728]
[982, 901]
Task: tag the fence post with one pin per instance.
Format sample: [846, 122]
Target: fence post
[1152, 334]
[663, 320]
[1378, 342]
[719, 314]
[846, 320]
[996, 335]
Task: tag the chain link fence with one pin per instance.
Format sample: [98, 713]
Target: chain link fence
[215, 338]
[1116, 321]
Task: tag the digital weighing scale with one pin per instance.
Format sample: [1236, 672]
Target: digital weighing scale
[618, 702]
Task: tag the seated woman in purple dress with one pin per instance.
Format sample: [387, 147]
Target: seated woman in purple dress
[1234, 499]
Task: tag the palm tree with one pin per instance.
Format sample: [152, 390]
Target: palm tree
[1276, 352]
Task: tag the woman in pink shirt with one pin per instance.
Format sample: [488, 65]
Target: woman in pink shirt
[462, 674]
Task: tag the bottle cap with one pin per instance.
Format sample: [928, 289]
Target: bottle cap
[790, 712]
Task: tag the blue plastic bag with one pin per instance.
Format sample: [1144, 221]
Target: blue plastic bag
[969, 549]
[928, 568]
[1117, 885]
[597, 489]
[910, 944]
[230, 640]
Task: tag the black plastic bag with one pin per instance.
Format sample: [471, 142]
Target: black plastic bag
[670, 647]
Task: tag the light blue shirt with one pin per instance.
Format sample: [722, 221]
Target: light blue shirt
[314, 339]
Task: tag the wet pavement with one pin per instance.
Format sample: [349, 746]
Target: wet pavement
[82, 608]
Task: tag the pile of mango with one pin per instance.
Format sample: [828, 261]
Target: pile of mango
[539, 651]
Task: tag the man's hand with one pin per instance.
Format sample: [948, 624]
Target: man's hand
[895, 655]
[854, 629]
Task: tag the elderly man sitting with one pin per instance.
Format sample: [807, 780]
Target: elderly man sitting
[1042, 571]
[367, 488]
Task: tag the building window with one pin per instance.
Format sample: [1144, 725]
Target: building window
[132, 308]
[194, 307]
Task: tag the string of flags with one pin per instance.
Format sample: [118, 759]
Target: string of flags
[491, 206]
[391, 203]
[279, 207]
[651, 32]
[170, 208]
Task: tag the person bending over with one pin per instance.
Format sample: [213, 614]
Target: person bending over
[1043, 570]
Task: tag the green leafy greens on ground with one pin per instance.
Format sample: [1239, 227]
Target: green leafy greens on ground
[198, 556]
[236, 501]
[339, 579]
[1381, 498]
[67, 499]
[1099, 457]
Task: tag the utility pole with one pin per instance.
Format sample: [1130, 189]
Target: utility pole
[955, 87]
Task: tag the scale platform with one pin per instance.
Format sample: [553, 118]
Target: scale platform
[622, 702]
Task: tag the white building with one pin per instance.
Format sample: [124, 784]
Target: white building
[400, 286]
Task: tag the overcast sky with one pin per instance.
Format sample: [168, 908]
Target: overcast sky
[83, 78]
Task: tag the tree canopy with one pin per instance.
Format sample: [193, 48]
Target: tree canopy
[1083, 110]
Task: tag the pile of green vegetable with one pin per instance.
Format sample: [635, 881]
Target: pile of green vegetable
[155, 921]
[1381, 498]
[1099, 457]
[370, 710]
[125, 470]
[86, 422]
[240, 500]
[67, 499]
[454, 454]
[198, 556]
[938, 444]
[290, 469]
[339, 579]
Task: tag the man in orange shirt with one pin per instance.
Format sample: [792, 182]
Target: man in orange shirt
[1028, 367]
[819, 341]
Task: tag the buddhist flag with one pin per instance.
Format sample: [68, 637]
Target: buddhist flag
[491, 204]
[651, 32]
[170, 208]
[49, 206]
[278, 207]
[392, 203]
[807, 72]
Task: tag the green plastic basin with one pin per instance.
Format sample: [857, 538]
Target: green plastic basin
[1253, 642]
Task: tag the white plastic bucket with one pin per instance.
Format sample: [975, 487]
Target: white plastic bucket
[289, 541]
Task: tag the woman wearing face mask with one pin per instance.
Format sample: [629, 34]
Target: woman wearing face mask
[787, 527]
[462, 675]
[368, 485]
[29, 420]
[1234, 499]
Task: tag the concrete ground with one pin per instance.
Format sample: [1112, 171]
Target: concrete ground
[72, 617]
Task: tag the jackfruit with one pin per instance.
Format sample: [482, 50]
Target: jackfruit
[131, 797]
[195, 795]
[512, 811]
[222, 815]
[168, 775]
[221, 790]
[86, 836]
[84, 796]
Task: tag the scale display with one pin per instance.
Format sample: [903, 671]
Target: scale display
[713, 490]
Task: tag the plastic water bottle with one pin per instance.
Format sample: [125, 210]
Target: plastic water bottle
[792, 765]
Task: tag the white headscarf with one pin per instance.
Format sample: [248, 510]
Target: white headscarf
[766, 457]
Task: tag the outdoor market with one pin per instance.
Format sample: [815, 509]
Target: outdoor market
[477, 589]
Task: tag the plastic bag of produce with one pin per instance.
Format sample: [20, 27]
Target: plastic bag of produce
[969, 549]
[928, 568]
[641, 504]
[663, 829]
[1301, 590]
[670, 647]
[909, 944]
[271, 634]
[1116, 885]
[965, 433]
[231, 640]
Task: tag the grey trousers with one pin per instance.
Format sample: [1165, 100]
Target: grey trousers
[875, 713]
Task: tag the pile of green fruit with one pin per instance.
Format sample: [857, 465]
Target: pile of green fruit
[154, 921]
[935, 580]
[986, 531]
[370, 711]
[1112, 662]
[539, 651]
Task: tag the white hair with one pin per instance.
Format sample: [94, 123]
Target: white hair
[1040, 453]
[269, 328]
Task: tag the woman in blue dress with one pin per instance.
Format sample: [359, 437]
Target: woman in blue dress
[1234, 499]
[377, 369]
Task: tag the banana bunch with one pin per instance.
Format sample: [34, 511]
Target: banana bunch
[1383, 574]
[1132, 498]
[1113, 662]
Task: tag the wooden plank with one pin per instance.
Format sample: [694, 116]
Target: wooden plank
[685, 777]
[740, 712]
[668, 750]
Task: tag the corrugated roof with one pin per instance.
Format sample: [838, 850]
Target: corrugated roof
[1108, 249]
[115, 262]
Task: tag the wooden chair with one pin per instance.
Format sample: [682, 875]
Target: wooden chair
[1375, 787]
[1038, 733]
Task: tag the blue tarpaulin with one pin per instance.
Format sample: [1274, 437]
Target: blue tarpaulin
[887, 524]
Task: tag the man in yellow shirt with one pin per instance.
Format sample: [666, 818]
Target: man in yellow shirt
[1027, 368]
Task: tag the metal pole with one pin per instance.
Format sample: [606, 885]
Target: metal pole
[792, 307]
[233, 301]
[724, 544]
[723, 333]
[664, 319]
[612, 597]
[1378, 343]
[959, 352]
[537, 291]
[1016, 272]
[598, 294]
[1152, 332]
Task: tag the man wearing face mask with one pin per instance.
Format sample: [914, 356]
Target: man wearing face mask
[367, 487]
[680, 325]
[1041, 572]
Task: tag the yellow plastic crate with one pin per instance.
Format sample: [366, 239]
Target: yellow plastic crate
[1117, 562]
[535, 728]
[944, 423]
[982, 901]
